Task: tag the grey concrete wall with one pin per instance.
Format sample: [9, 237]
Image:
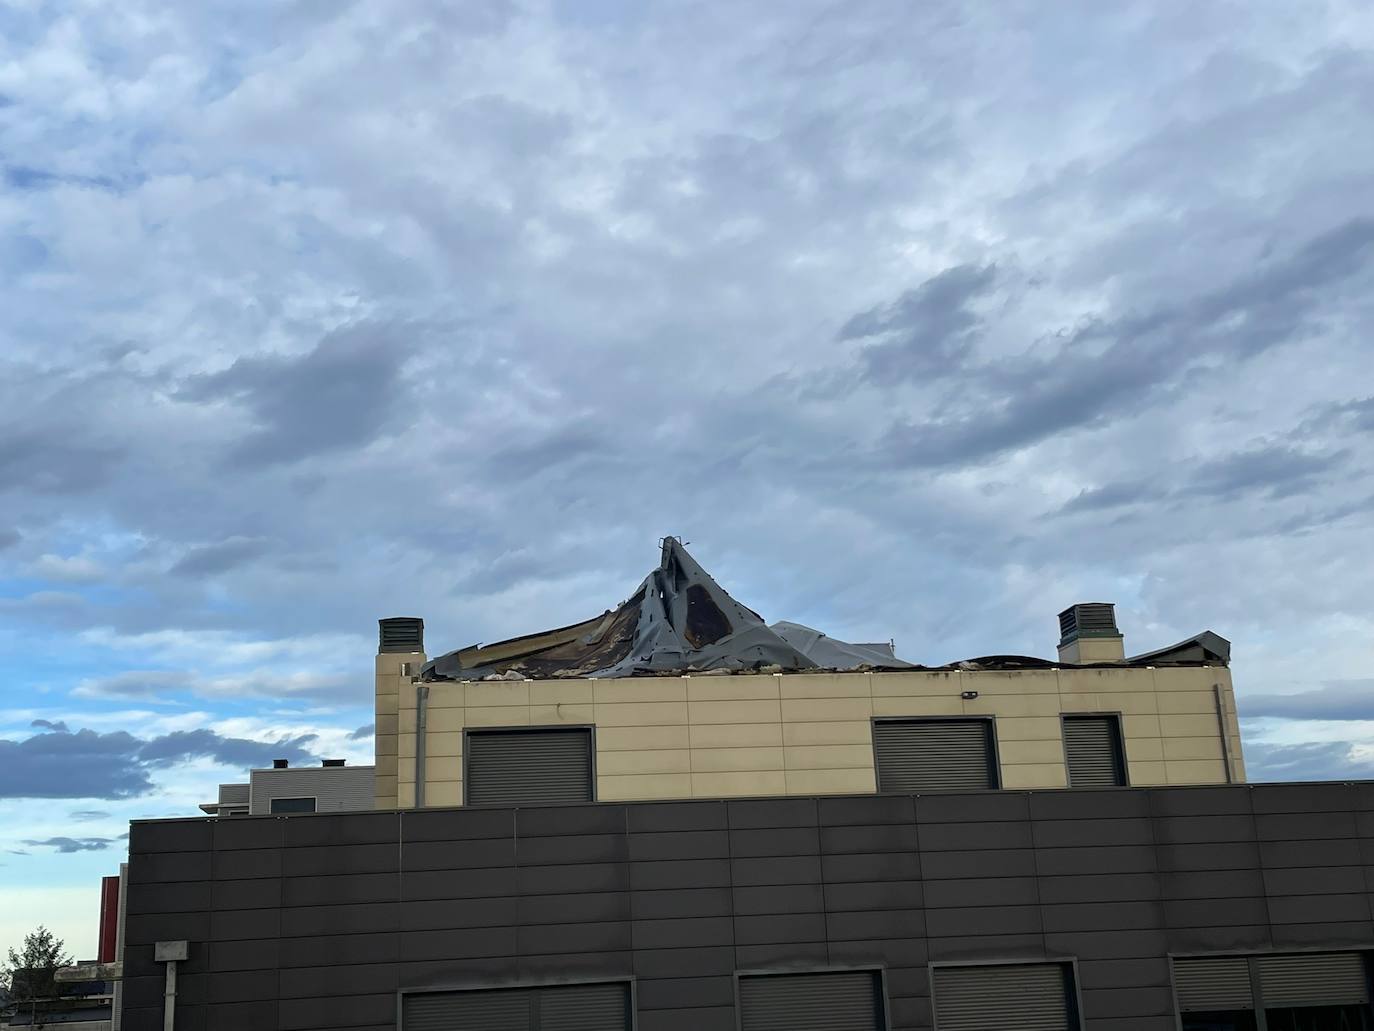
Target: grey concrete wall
[334, 788]
[317, 921]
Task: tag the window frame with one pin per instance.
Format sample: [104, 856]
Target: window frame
[994, 753]
[1075, 998]
[588, 728]
[271, 803]
[563, 982]
[1125, 763]
[879, 969]
[1261, 1022]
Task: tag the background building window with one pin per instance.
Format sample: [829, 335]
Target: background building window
[934, 755]
[292, 805]
[850, 999]
[524, 767]
[1093, 750]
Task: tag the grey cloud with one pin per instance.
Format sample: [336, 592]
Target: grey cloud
[69, 845]
[86, 815]
[57, 725]
[1316, 760]
[1336, 700]
[9, 538]
[53, 460]
[88, 764]
[149, 685]
[212, 559]
[363, 733]
[337, 397]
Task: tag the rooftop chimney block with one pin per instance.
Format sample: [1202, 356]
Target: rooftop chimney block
[280, 764]
[333, 762]
[1088, 634]
[401, 634]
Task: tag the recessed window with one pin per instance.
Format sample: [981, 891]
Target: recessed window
[528, 767]
[935, 755]
[1000, 996]
[1093, 751]
[292, 805]
[850, 999]
[1311, 991]
[575, 1007]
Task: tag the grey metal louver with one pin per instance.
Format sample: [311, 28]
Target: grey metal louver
[578, 1007]
[934, 755]
[1313, 979]
[1205, 983]
[528, 767]
[506, 1010]
[1028, 997]
[1092, 746]
[1088, 619]
[838, 1001]
[401, 634]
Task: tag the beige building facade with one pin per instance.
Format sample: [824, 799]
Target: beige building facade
[716, 736]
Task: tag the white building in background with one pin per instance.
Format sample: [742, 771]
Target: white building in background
[332, 787]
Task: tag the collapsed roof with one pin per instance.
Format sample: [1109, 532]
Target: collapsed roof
[680, 620]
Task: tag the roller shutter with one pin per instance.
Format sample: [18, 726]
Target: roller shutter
[582, 1007]
[1211, 983]
[934, 755]
[1313, 979]
[1029, 997]
[1092, 745]
[840, 1001]
[524, 767]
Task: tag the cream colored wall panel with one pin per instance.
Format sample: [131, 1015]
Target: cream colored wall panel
[830, 782]
[642, 714]
[1131, 703]
[1069, 702]
[441, 721]
[1196, 771]
[1176, 703]
[1192, 748]
[1029, 728]
[405, 721]
[1189, 726]
[839, 732]
[445, 742]
[387, 725]
[738, 735]
[440, 768]
[389, 704]
[444, 793]
[1014, 684]
[1141, 726]
[643, 786]
[1096, 681]
[1033, 752]
[1034, 775]
[657, 760]
[724, 785]
[445, 696]
[639, 689]
[826, 685]
[630, 739]
[496, 715]
[911, 705]
[1238, 770]
[818, 710]
[405, 746]
[700, 713]
[1144, 774]
[386, 744]
[714, 760]
[405, 796]
[385, 766]
[828, 757]
[1188, 678]
[915, 684]
[1013, 705]
[496, 692]
[741, 688]
[551, 715]
[1144, 749]
[561, 692]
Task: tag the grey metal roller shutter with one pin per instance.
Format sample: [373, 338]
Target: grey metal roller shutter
[1313, 979]
[934, 755]
[1029, 997]
[1093, 747]
[1206, 983]
[467, 1011]
[840, 1001]
[528, 767]
[585, 1007]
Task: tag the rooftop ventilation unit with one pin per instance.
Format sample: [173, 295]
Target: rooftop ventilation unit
[333, 762]
[401, 634]
[280, 764]
[1087, 619]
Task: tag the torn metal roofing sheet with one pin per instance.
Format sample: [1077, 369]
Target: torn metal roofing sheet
[680, 620]
[1205, 647]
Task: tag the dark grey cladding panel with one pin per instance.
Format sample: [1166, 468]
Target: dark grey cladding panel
[565, 849]
[970, 835]
[1091, 833]
[254, 894]
[1333, 880]
[940, 866]
[1194, 830]
[975, 807]
[169, 867]
[553, 880]
[908, 1012]
[982, 891]
[1304, 827]
[537, 822]
[1103, 916]
[657, 993]
[458, 943]
[776, 870]
[1122, 973]
[656, 846]
[234, 986]
[336, 1012]
[350, 918]
[981, 946]
[1209, 801]
[248, 832]
[1094, 859]
[1117, 944]
[458, 855]
[247, 863]
[438, 914]
[670, 817]
[658, 875]
[182, 897]
[1240, 938]
[983, 920]
[779, 927]
[684, 932]
[1331, 935]
[559, 966]
[697, 1018]
[682, 902]
[330, 860]
[192, 990]
[456, 824]
[1109, 1005]
[1228, 855]
[586, 907]
[327, 891]
[875, 924]
[245, 924]
[495, 882]
[255, 954]
[171, 836]
[783, 955]
[1089, 805]
[763, 814]
[1305, 798]
[889, 837]
[678, 962]
[867, 810]
[344, 829]
[889, 952]
[870, 866]
[549, 939]
[762, 900]
[1295, 853]
[319, 982]
[1316, 909]
[1211, 884]
[1113, 887]
[774, 841]
[872, 895]
[479, 971]
[235, 1016]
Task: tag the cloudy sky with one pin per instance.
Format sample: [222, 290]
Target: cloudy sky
[917, 321]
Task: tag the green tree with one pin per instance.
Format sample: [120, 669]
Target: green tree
[28, 974]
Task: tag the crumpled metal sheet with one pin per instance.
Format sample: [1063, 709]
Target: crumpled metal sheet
[679, 620]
